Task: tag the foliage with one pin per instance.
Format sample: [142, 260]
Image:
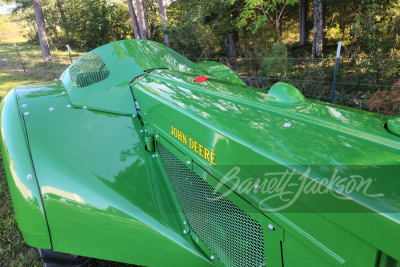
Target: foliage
[383, 102]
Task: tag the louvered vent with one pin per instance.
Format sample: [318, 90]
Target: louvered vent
[233, 236]
[88, 70]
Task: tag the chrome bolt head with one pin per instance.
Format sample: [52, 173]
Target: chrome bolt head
[154, 155]
[185, 231]
[24, 105]
[156, 135]
[134, 115]
[256, 186]
[184, 222]
[63, 93]
[141, 131]
[51, 109]
[29, 176]
[287, 125]
[271, 227]
[69, 106]
[188, 162]
[84, 107]
[26, 113]
[212, 257]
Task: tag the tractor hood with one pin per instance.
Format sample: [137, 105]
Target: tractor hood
[100, 79]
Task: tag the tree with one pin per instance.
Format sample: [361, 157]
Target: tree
[318, 33]
[303, 10]
[44, 44]
[163, 15]
[134, 19]
[143, 31]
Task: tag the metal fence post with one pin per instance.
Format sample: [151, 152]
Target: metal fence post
[336, 70]
[19, 57]
[69, 52]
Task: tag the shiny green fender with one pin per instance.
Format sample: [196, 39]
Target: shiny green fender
[127, 158]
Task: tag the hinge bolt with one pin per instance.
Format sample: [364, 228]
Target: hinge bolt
[256, 186]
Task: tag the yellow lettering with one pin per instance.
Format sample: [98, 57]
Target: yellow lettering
[180, 136]
[184, 139]
[212, 158]
[190, 143]
[195, 147]
[172, 130]
[200, 150]
[206, 154]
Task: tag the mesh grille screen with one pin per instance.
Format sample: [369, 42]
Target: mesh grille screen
[89, 70]
[233, 236]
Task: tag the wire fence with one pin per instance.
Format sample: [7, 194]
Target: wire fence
[365, 83]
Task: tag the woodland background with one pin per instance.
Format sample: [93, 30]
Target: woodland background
[263, 41]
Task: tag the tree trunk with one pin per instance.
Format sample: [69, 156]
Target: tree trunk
[303, 10]
[318, 34]
[232, 45]
[44, 44]
[134, 19]
[141, 20]
[146, 19]
[56, 35]
[278, 24]
[63, 19]
[163, 15]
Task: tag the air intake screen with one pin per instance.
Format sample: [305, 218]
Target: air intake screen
[233, 236]
[89, 70]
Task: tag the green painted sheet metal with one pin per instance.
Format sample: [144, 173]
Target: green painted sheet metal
[21, 177]
[102, 194]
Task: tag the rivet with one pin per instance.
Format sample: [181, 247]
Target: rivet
[212, 257]
[63, 93]
[24, 105]
[29, 176]
[188, 162]
[185, 231]
[256, 186]
[69, 106]
[184, 222]
[154, 155]
[51, 109]
[134, 115]
[26, 113]
[156, 135]
[84, 107]
[287, 124]
[271, 227]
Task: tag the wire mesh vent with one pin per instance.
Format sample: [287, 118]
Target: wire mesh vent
[233, 236]
[89, 70]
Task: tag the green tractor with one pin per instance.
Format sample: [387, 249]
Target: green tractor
[138, 155]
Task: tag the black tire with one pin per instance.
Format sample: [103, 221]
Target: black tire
[52, 258]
